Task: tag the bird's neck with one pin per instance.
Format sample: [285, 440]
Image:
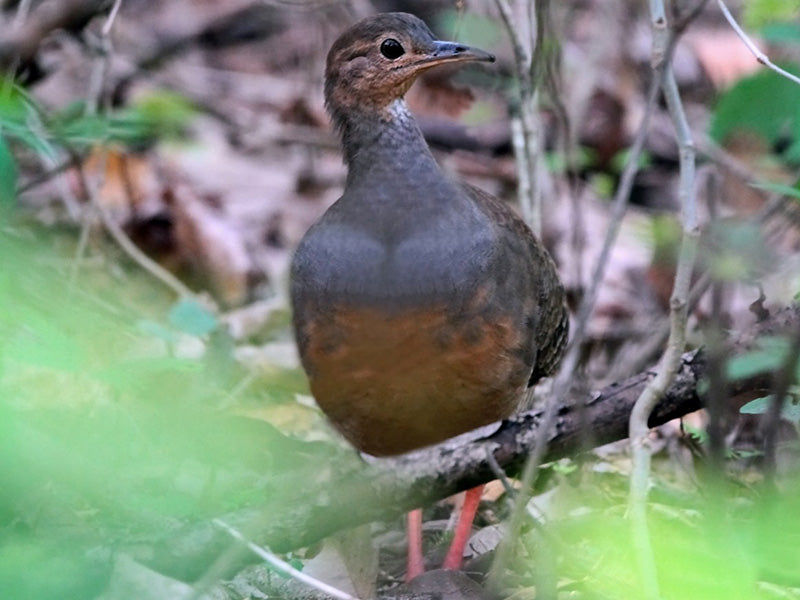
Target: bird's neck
[376, 143]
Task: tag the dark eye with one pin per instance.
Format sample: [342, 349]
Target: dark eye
[392, 49]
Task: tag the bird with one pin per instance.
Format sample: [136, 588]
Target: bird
[422, 306]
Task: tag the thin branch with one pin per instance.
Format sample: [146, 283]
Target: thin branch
[282, 566]
[112, 16]
[94, 98]
[760, 56]
[48, 174]
[525, 130]
[521, 55]
[100, 70]
[670, 361]
[132, 250]
[116, 232]
[23, 8]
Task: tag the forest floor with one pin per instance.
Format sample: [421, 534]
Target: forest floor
[166, 168]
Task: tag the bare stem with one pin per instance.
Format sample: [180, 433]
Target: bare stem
[100, 68]
[760, 56]
[525, 127]
[127, 245]
[282, 566]
[670, 361]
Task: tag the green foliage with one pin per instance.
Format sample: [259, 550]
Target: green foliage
[602, 184]
[770, 354]
[161, 115]
[191, 317]
[765, 105]
[790, 411]
[790, 191]
[158, 116]
[758, 13]
[735, 251]
[21, 118]
[782, 33]
[8, 174]
[108, 441]
[665, 233]
[709, 541]
[472, 28]
[623, 157]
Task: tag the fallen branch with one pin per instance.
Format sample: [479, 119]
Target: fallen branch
[387, 488]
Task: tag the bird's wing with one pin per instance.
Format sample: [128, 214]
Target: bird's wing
[553, 319]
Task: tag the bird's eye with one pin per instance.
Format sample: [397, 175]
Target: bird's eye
[392, 49]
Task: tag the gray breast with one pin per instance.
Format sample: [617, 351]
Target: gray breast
[372, 260]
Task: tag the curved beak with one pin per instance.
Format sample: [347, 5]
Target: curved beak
[450, 52]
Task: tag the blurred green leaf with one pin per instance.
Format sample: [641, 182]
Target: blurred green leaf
[790, 191]
[736, 251]
[107, 442]
[719, 542]
[165, 114]
[160, 115]
[80, 573]
[665, 232]
[602, 184]
[189, 316]
[623, 157]
[8, 174]
[700, 435]
[790, 411]
[785, 32]
[758, 13]
[770, 355]
[45, 344]
[470, 28]
[758, 406]
[157, 330]
[791, 154]
[21, 118]
[764, 104]
[701, 550]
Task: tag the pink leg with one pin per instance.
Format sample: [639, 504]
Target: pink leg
[463, 528]
[415, 565]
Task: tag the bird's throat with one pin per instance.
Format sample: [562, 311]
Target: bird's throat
[390, 135]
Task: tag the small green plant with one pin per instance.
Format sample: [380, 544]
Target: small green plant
[27, 125]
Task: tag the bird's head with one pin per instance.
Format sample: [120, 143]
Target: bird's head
[375, 61]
